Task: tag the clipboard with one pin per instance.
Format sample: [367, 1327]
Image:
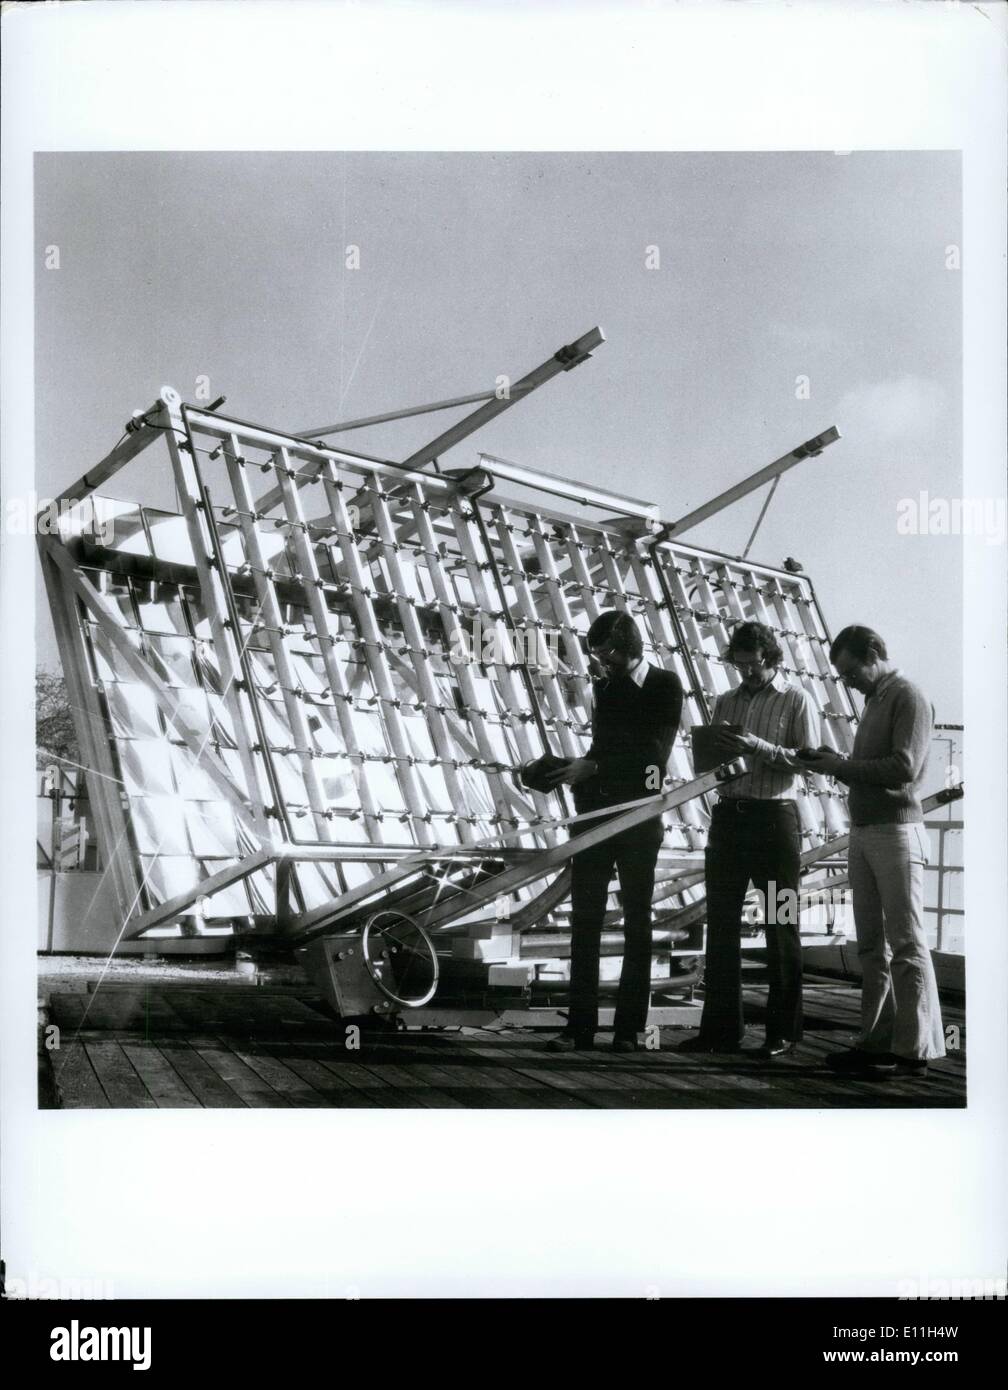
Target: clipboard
[706, 756]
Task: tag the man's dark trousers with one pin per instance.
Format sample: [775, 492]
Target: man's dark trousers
[757, 840]
[633, 855]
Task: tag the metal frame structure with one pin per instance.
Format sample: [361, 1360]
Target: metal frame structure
[277, 730]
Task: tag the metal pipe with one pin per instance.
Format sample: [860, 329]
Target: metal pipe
[400, 414]
[665, 984]
[810, 449]
[567, 487]
[562, 361]
[139, 433]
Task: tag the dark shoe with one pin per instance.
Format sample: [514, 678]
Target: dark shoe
[854, 1061]
[912, 1066]
[777, 1047]
[705, 1046]
[572, 1042]
[625, 1044]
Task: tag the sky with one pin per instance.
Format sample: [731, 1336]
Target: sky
[792, 292]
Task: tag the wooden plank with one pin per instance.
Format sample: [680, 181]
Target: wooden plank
[159, 1016]
[279, 1076]
[512, 1077]
[369, 1083]
[419, 1091]
[481, 1087]
[440, 1077]
[328, 1083]
[195, 1012]
[117, 1077]
[77, 1085]
[163, 1082]
[208, 1088]
[485, 1077]
[317, 1075]
[297, 1059]
[245, 1082]
[111, 1010]
[552, 1076]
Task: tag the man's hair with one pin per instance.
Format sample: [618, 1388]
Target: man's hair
[755, 637]
[617, 630]
[861, 642]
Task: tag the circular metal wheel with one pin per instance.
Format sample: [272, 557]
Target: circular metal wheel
[400, 958]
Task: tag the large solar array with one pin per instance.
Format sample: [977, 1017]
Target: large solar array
[320, 649]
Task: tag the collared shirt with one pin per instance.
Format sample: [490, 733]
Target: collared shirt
[638, 673]
[784, 718]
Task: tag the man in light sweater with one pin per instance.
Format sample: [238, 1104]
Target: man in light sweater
[900, 1012]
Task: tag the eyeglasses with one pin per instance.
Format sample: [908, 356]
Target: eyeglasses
[756, 665]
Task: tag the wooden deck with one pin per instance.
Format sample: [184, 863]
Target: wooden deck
[180, 1045]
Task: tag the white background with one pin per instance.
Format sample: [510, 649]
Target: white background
[391, 1203]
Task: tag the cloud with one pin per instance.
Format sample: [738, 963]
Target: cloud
[907, 408]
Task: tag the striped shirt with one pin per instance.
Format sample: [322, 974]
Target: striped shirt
[784, 718]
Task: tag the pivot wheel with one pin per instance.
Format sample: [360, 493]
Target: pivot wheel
[400, 958]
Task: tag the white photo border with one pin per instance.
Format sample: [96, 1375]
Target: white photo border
[631, 1204]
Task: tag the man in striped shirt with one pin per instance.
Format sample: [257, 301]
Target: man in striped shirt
[754, 835]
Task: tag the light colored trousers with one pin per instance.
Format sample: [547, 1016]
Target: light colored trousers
[900, 1012]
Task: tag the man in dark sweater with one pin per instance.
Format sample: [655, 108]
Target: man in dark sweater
[634, 721]
[900, 1012]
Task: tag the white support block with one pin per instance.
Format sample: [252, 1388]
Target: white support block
[490, 930]
[514, 974]
[498, 948]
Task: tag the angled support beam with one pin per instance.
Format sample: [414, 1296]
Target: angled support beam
[404, 414]
[172, 907]
[562, 361]
[141, 430]
[812, 448]
[558, 855]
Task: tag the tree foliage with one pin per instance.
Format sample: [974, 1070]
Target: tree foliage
[54, 729]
